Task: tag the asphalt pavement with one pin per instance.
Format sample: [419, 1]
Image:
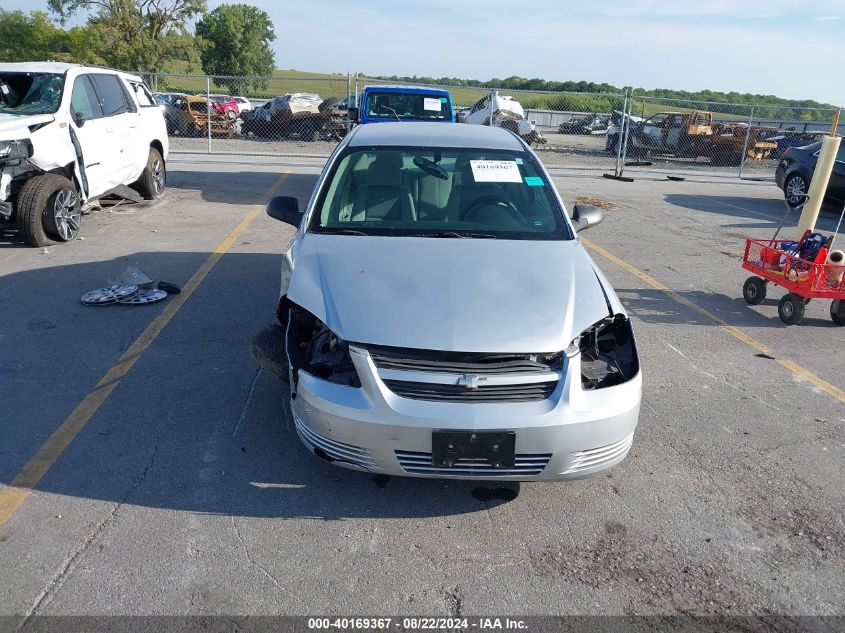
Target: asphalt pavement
[182, 488]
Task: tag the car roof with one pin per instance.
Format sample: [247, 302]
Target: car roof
[429, 134]
[409, 89]
[57, 68]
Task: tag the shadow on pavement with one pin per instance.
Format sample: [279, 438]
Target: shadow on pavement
[654, 306]
[194, 426]
[753, 209]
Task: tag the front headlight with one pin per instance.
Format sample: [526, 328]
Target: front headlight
[314, 348]
[10, 150]
[608, 353]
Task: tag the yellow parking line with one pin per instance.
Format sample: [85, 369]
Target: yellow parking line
[734, 331]
[19, 488]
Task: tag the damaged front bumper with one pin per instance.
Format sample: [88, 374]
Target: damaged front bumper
[570, 434]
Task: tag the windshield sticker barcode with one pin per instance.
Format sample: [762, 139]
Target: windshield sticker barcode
[495, 171]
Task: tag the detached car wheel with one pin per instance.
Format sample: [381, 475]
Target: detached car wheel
[151, 183]
[48, 209]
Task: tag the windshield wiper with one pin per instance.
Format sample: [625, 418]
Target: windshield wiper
[343, 232]
[462, 235]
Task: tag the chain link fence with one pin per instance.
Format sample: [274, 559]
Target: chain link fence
[296, 114]
[689, 137]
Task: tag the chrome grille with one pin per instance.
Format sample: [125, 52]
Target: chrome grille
[337, 451]
[595, 457]
[528, 392]
[420, 464]
[482, 364]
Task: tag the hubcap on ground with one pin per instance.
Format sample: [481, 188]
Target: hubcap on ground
[66, 214]
[158, 175]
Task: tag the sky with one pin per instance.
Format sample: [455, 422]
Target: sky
[789, 48]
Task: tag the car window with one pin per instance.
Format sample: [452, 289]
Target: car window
[143, 94]
[840, 155]
[393, 105]
[113, 97]
[440, 193]
[83, 99]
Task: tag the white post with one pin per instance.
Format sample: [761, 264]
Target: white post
[619, 135]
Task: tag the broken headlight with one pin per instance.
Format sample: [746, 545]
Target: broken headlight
[608, 353]
[11, 150]
[313, 347]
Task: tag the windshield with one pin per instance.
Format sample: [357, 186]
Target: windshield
[30, 93]
[439, 193]
[397, 105]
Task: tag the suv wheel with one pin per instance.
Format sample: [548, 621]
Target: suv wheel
[48, 208]
[151, 183]
[794, 189]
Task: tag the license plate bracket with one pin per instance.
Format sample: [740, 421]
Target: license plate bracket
[496, 448]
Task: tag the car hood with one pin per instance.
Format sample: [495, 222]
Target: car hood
[472, 295]
[14, 127]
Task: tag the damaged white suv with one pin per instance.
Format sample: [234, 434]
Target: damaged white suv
[72, 134]
[441, 318]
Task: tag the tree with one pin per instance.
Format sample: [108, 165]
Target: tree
[237, 40]
[140, 35]
[28, 37]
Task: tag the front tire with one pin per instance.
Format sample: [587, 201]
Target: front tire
[794, 189]
[791, 309]
[48, 209]
[151, 183]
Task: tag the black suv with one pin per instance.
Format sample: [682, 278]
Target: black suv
[795, 171]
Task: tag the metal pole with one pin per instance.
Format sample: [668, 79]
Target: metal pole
[619, 136]
[348, 100]
[492, 104]
[626, 125]
[208, 109]
[747, 140]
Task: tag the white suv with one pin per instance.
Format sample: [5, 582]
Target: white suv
[72, 134]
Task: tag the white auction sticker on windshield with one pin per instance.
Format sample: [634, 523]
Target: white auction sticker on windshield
[431, 104]
[495, 171]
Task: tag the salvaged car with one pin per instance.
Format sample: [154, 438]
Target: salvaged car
[729, 140]
[588, 124]
[70, 135]
[614, 128]
[676, 133]
[440, 318]
[301, 114]
[194, 115]
[509, 114]
[404, 103]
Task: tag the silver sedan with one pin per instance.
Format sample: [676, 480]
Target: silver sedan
[441, 318]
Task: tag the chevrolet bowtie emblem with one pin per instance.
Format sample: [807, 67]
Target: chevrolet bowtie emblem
[471, 381]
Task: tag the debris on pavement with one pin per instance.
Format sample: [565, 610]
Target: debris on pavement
[131, 287]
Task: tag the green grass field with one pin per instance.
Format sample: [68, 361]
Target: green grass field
[335, 85]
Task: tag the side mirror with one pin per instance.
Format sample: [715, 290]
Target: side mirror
[584, 216]
[352, 113]
[79, 118]
[285, 209]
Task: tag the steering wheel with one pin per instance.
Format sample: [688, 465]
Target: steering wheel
[496, 201]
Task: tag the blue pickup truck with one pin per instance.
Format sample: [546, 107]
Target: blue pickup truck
[403, 103]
